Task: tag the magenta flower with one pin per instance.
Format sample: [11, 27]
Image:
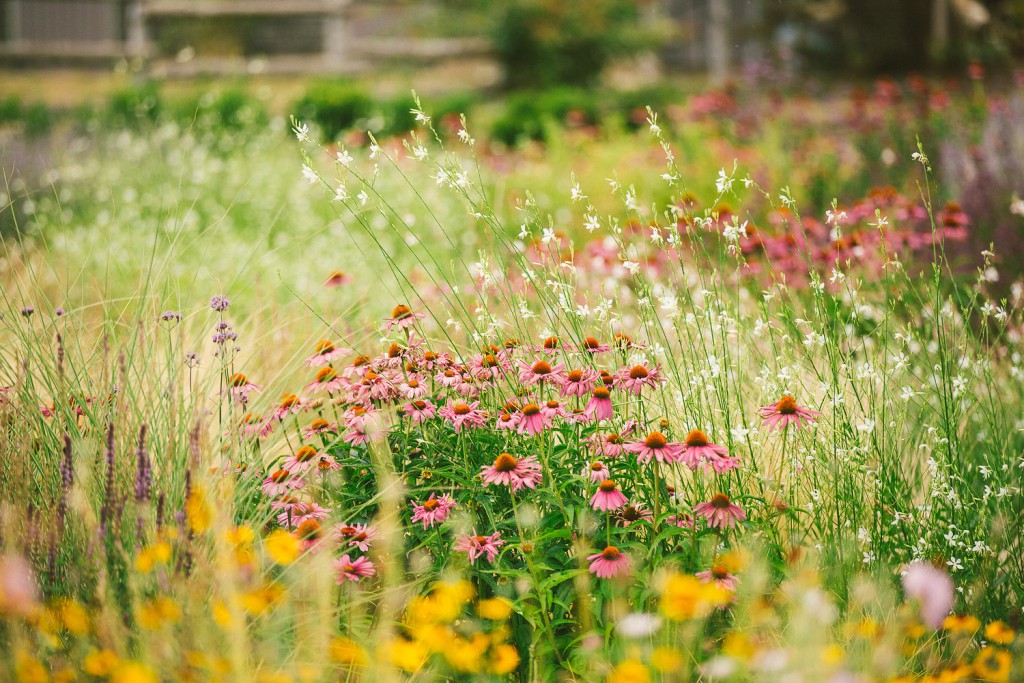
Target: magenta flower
[356, 535]
[290, 404]
[295, 513]
[609, 563]
[463, 415]
[508, 421]
[578, 382]
[413, 387]
[324, 353]
[720, 576]
[697, 449]
[608, 497]
[349, 569]
[634, 379]
[517, 474]
[655, 446]
[608, 445]
[532, 420]
[720, 512]
[597, 471]
[327, 379]
[932, 589]
[420, 410]
[317, 427]
[479, 546]
[553, 409]
[785, 412]
[301, 461]
[599, 407]
[541, 371]
[240, 387]
[402, 317]
[433, 510]
[592, 346]
[281, 482]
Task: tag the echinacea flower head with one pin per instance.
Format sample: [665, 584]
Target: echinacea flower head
[596, 471]
[578, 382]
[720, 576]
[786, 412]
[240, 387]
[479, 546]
[324, 352]
[655, 446]
[302, 460]
[636, 378]
[609, 563]
[698, 449]
[433, 510]
[599, 407]
[720, 512]
[402, 317]
[506, 470]
[463, 414]
[592, 345]
[353, 569]
[541, 371]
[326, 379]
[280, 482]
[608, 497]
[290, 404]
[356, 535]
[634, 512]
[532, 420]
[420, 410]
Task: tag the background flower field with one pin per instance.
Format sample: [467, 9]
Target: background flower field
[564, 387]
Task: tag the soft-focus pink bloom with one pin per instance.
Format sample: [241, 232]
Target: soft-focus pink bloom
[608, 445]
[356, 535]
[579, 382]
[290, 404]
[599, 407]
[608, 497]
[609, 563]
[634, 379]
[433, 510]
[413, 387]
[597, 471]
[786, 412]
[508, 421]
[479, 546]
[698, 450]
[720, 511]
[463, 415]
[281, 482]
[541, 371]
[532, 420]
[301, 461]
[293, 514]
[932, 588]
[337, 279]
[403, 318]
[681, 521]
[655, 446]
[349, 569]
[324, 353]
[720, 576]
[317, 427]
[508, 471]
[19, 593]
[327, 379]
[420, 411]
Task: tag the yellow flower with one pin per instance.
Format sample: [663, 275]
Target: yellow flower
[629, 671]
[259, 600]
[99, 663]
[832, 654]
[964, 624]
[133, 672]
[346, 651]
[993, 665]
[240, 536]
[466, 655]
[443, 604]
[73, 617]
[65, 676]
[28, 669]
[282, 547]
[407, 655]
[867, 628]
[221, 614]
[666, 659]
[998, 632]
[504, 660]
[197, 511]
[149, 557]
[495, 609]
[686, 597]
[738, 646]
[159, 612]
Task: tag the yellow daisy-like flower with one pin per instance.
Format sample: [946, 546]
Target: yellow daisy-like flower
[504, 659]
[73, 617]
[495, 609]
[666, 659]
[197, 511]
[686, 597]
[133, 672]
[961, 624]
[28, 669]
[100, 663]
[408, 655]
[282, 547]
[993, 665]
[998, 632]
[629, 671]
[348, 652]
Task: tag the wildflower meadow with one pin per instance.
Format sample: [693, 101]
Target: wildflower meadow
[724, 389]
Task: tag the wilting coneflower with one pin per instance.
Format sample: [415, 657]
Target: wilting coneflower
[479, 546]
[634, 512]
[325, 352]
[240, 387]
[599, 407]
[608, 497]
[349, 569]
[402, 317]
[597, 472]
[355, 535]
[280, 482]
[720, 512]
[785, 412]
[609, 563]
[301, 461]
[541, 371]
[463, 415]
[433, 510]
[317, 427]
[532, 420]
[326, 379]
[655, 446]
[634, 379]
[720, 576]
[420, 410]
[698, 449]
[508, 471]
[578, 382]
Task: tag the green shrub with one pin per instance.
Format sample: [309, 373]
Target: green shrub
[334, 106]
[135, 105]
[10, 110]
[528, 115]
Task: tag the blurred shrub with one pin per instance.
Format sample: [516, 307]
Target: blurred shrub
[334, 106]
[528, 116]
[134, 105]
[233, 109]
[548, 42]
[10, 110]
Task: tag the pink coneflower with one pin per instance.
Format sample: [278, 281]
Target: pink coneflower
[295, 513]
[325, 352]
[720, 512]
[932, 589]
[508, 421]
[683, 521]
[327, 379]
[394, 358]
[478, 546]
[337, 278]
[467, 386]
[402, 317]
[599, 407]
[463, 415]
[578, 382]
[433, 510]
[541, 371]
[608, 497]
[317, 427]
[449, 377]
[375, 386]
[358, 368]
[349, 569]
[608, 445]
[356, 417]
[413, 387]
[577, 416]
[256, 425]
[488, 366]
[301, 461]
[698, 449]
[597, 471]
[634, 512]
[785, 412]
[720, 576]
[508, 471]
[609, 563]
[310, 535]
[552, 409]
[634, 379]
[356, 437]
[532, 420]
[356, 535]
[420, 411]
[240, 387]
[281, 482]
[655, 446]
[290, 404]
[591, 345]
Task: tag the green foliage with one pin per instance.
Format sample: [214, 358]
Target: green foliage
[528, 116]
[334, 106]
